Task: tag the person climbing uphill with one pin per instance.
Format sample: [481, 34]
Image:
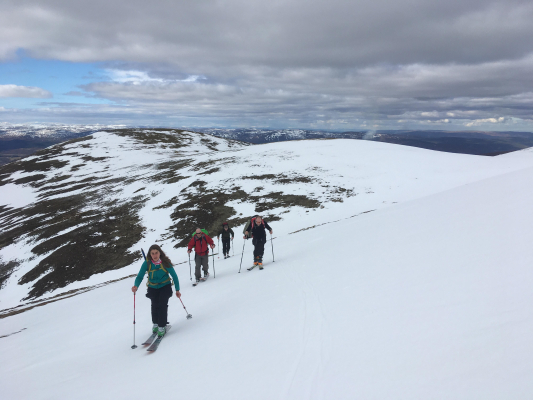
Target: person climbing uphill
[160, 270]
[227, 237]
[256, 229]
[200, 241]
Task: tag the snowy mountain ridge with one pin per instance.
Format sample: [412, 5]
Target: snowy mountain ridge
[52, 131]
[104, 190]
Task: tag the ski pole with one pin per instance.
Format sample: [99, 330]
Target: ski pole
[218, 247]
[233, 247]
[189, 316]
[134, 296]
[190, 270]
[134, 346]
[272, 244]
[214, 273]
[242, 255]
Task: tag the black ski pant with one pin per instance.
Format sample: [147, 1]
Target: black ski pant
[201, 261]
[159, 299]
[259, 248]
[226, 245]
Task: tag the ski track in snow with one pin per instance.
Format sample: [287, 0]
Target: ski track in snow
[312, 357]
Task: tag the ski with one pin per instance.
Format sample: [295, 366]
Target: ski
[201, 280]
[261, 267]
[149, 340]
[156, 343]
[252, 267]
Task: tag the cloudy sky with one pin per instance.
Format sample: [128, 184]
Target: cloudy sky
[335, 64]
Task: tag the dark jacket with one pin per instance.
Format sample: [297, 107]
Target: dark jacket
[200, 245]
[258, 232]
[226, 233]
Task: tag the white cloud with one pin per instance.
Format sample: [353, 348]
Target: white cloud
[24, 91]
[135, 77]
[499, 120]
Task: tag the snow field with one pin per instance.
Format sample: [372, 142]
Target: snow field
[379, 174]
[430, 298]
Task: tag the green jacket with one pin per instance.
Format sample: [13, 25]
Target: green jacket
[157, 277]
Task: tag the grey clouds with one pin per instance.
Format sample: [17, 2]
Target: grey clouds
[310, 64]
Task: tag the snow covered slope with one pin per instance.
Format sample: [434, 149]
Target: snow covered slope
[77, 214]
[425, 299]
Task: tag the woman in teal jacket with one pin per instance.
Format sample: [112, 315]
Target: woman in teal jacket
[160, 270]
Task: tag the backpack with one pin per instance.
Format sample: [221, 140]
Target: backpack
[196, 239]
[200, 239]
[253, 222]
[251, 225]
[150, 270]
[148, 282]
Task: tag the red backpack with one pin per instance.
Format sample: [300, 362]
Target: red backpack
[253, 222]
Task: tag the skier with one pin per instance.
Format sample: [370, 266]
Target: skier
[226, 232]
[200, 241]
[160, 270]
[256, 229]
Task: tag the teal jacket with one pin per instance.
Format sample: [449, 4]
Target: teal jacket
[158, 278]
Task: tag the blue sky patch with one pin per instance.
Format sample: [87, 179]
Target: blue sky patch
[61, 78]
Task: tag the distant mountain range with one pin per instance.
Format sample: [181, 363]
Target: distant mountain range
[466, 142]
[17, 141]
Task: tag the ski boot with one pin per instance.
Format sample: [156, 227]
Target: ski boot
[161, 331]
[154, 328]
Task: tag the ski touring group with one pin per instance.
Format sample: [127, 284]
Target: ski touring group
[161, 275]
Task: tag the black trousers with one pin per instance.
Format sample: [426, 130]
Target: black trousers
[259, 248]
[159, 299]
[226, 245]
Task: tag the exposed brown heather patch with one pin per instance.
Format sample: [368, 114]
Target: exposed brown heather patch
[29, 179]
[205, 208]
[281, 178]
[103, 238]
[168, 138]
[170, 171]
[209, 171]
[275, 200]
[6, 269]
